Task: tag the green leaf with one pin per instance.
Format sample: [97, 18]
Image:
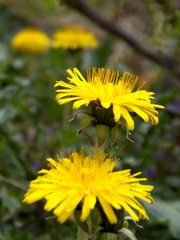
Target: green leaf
[10, 203]
[4, 57]
[166, 211]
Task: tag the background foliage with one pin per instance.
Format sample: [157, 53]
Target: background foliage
[34, 127]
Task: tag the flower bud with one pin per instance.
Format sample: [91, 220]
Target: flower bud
[125, 224]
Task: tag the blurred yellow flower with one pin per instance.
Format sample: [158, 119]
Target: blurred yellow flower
[109, 95]
[74, 37]
[30, 40]
[84, 181]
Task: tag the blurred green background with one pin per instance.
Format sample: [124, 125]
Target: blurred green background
[34, 127]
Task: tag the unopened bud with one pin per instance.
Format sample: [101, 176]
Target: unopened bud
[125, 224]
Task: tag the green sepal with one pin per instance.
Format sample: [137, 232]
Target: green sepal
[75, 116]
[102, 132]
[128, 218]
[85, 123]
[125, 233]
[107, 226]
[115, 132]
[95, 218]
[82, 225]
[82, 235]
[108, 236]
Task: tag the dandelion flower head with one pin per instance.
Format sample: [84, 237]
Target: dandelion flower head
[30, 40]
[80, 180]
[106, 89]
[74, 37]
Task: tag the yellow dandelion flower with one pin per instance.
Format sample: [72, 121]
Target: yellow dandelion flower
[79, 180]
[107, 90]
[74, 37]
[30, 40]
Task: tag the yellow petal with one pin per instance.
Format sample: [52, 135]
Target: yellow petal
[77, 104]
[69, 204]
[88, 204]
[34, 196]
[117, 112]
[140, 112]
[54, 199]
[64, 216]
[106, 104]
[108, 210]
[128, 118]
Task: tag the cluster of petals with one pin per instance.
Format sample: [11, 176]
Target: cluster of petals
[74, 37]
[82, 181]
[30, 40]
[33, 40]
[111, 90]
